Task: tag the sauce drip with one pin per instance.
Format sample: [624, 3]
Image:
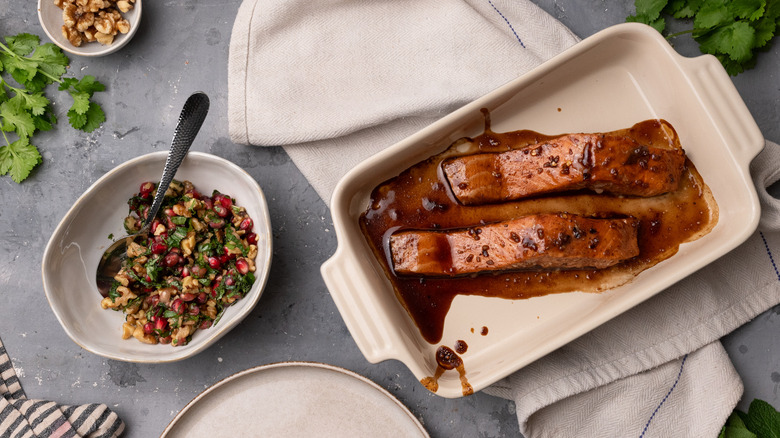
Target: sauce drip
[420, 198]
[446, 359]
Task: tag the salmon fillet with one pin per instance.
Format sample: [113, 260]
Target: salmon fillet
[614, 164]
[548, 241]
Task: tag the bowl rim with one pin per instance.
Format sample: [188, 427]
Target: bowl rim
[184, 352]
[111, 48]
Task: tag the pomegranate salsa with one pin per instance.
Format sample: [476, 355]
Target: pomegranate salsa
[197, 260]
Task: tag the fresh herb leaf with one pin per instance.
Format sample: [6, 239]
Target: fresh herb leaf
[763, 419]
[18, 159]
[177, 236]
[732, 30]
[24, 110]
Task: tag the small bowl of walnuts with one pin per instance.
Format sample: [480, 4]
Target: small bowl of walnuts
[90, 27]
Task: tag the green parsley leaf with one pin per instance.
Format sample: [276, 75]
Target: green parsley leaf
[80, 102]
[650, 9]
[23, 44]
[732, 30]
[15, 118]
[734, 40]
[51, 61]
[711, 14]
[747, 9]
[95, 116]
[77, 120]
[18, 159]
[26, 110]
[763, 419]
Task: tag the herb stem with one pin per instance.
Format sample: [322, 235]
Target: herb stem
[6, 139]
[11, 52]
[674, 35]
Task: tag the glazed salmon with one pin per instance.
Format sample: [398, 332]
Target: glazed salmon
[548, 241]
[615, 164]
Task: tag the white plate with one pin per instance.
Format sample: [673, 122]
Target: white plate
[612, 80]
[295, 399]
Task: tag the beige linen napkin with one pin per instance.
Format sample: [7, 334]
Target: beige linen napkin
[336, 81]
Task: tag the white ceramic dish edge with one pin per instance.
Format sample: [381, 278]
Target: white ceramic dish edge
[373, 328]
[213, 334]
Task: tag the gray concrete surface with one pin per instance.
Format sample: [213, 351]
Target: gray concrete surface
[182, 46]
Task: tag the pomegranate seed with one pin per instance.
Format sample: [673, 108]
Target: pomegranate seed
[169, 212]
[198, 271]
[217, 223]
[165, 340]
[195, 194]
[177, 306]
[220, 210]
[214, 263]
[148, 278]
[251, 239]
[159, 248]
[226, 202]
[172, 259]
[176, 250]
[194, 309]
[148, 328]
[208, 202]
[213, 293]
[246, 224]
[242, 266]
[202, 298]
[185, 272]
[146, 188]
[188, 297]
[152, 301]
[161, 324]
[145, 212]
[204, 325]
[155, 224]
[229, 281]
[149, 290]
[224, 259]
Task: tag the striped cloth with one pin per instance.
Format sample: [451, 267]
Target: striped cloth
[21, 417]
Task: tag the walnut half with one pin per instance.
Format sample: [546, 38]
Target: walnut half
[93, 20]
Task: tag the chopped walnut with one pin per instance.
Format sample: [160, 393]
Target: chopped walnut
[93, 20]
[124, 5]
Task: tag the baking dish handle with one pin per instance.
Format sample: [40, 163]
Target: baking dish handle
[352, 294]
[728, 111]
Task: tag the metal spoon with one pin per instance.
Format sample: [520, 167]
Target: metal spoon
[190, 121]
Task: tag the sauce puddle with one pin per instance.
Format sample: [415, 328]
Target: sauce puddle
[420, 198]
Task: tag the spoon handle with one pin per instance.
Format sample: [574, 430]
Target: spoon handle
[190, 121]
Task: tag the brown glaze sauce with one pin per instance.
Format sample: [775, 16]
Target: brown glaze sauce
[446, 360]
[420, 198]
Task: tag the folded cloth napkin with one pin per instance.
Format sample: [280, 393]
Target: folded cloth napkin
[334, 82]
[337, 81]
[21, 417]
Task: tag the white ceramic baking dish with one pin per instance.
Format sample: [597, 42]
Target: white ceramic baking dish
[620, 76]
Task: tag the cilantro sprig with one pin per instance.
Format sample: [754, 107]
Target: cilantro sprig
[25, 110]
[732, 30]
